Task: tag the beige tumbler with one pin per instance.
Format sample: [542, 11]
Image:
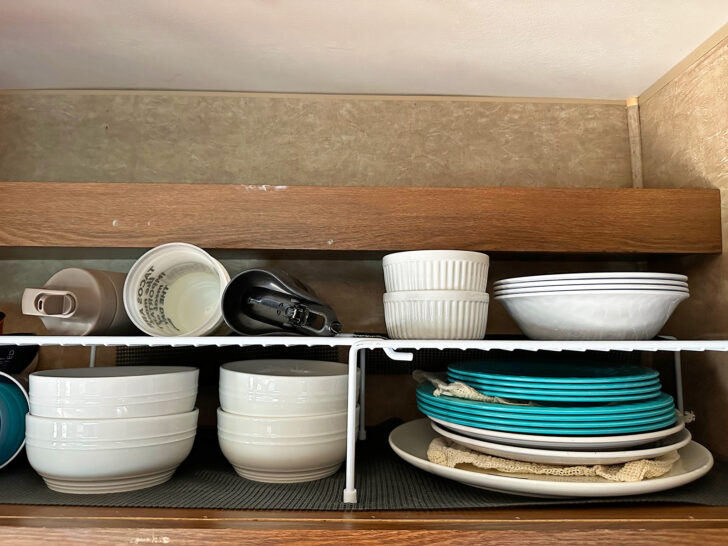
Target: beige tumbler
[80, 302]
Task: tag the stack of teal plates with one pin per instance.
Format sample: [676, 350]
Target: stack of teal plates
[561, 382]
[568, 399]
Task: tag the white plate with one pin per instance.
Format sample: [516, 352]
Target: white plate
[573, 443]
[501, 285]
[579, 276]
[547, 456]
[411, 440]
[581, 287]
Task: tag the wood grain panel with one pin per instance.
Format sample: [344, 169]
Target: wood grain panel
[195, 537]
[356, 218]
[593, 525]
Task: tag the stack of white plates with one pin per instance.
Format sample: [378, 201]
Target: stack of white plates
[107, 430]
[411, 440]
[592, 306]
[436, 294]
[283, 421]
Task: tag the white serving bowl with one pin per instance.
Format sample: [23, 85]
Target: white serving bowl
[284, 454]
[113, 392]
[436, 270]
[436, 314]
[636, 282]
[584, 287]
[602, 277]
[84, 457]
[592, 314]
[284, 387]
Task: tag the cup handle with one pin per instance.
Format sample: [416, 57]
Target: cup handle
[41, 302]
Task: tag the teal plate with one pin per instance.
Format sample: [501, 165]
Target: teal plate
[563, 395]
[570, 399]
[660, 401]
[585, 387]
[443, 405]
[548, 431]
[552, 371]
[564, 423]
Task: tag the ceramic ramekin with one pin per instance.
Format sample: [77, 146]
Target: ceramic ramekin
[436, 270]
[436, 314]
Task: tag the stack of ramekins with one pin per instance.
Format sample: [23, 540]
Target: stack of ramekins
[283, 421]
[436, 294]
[107, 430]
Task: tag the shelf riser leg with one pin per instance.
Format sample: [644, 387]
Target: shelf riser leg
[351, 430]
[362, 395]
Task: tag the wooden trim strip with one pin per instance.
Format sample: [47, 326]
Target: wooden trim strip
[702, 50]
[553, 534]
[535, 220]
[588, 517]
[635, 141]
[311, 96]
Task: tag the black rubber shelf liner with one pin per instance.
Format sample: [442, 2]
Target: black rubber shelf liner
[384, 482]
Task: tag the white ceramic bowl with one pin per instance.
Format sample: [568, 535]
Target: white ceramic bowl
[272, 428]
[84, 457]
[592, 314]
[50, 429]
[436, 314]
[636, 282]
[283, 387]
[602, 277]
[113, 392]
[436, 270]
[583, 287]
[283, 458]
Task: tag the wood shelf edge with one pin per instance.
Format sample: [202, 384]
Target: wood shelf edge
[523, 518]
[496, 219]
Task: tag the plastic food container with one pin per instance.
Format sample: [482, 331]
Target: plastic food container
[176, 290]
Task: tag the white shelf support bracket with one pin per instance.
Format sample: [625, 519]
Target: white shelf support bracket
[92, 357]
[677, 363]
[401, 357]
[362, 394]
[351, 430]
[678, 383]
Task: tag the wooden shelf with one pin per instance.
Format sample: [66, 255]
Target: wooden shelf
[593, 525]
[531, 220]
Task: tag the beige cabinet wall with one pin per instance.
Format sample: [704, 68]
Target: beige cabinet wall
[685, 144]
[311, 140]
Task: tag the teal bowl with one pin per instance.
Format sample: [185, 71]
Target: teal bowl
[13, 407]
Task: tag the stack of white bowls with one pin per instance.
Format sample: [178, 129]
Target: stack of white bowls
[592, 306]
[283, 421]
[107, 430]
[436, 294]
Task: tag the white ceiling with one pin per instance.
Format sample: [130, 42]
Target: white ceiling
[535, 48]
